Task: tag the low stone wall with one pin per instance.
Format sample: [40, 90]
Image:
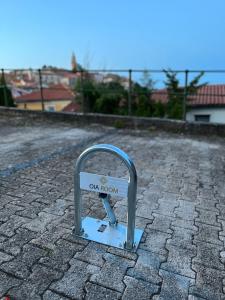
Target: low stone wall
[117, 121]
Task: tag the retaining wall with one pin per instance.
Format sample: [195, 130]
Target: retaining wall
[117, 121]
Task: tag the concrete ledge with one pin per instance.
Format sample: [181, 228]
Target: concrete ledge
[81, 119]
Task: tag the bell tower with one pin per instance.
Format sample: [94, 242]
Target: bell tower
[73, 62]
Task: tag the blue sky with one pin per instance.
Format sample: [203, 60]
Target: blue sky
[181, 34]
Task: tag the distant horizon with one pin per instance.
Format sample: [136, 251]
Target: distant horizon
[158, 75]
[156, 70]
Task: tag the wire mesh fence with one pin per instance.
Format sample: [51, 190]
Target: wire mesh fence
[140, 92]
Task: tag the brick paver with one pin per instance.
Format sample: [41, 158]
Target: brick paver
[181, 207]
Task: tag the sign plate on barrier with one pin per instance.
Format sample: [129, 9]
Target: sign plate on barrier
[103, 184]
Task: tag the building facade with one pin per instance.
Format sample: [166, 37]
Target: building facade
[54, 98]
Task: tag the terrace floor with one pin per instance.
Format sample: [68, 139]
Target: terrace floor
[180, 206]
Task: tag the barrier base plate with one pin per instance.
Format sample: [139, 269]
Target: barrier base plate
[101, 232]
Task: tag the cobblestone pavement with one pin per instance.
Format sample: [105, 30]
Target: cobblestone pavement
[181, 207]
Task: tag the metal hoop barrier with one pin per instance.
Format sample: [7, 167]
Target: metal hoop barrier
[110, 233]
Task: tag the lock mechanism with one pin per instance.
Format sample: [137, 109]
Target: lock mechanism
[109, 211]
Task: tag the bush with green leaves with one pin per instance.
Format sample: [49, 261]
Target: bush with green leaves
[86, 92]
[159, 110]
[6, 98]
[176, 93]
[107, 104]
[112, 97]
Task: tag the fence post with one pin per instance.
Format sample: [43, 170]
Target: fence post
[185, 94]
[129, 93]
[41, 90]
[82, 91]
[4, 89]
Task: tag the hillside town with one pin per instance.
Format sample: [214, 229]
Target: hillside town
[56, 86]
[79, 90]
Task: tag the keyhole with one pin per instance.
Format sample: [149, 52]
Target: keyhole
[102, 228]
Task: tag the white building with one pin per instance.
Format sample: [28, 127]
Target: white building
[212, 114]
[208, 105]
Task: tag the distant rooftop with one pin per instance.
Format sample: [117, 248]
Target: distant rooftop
[208, 95]
[72, 107]
[53, 93]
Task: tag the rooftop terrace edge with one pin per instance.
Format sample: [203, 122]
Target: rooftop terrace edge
[124, 122]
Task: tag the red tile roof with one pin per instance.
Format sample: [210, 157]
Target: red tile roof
[70, 75]
[54, 93]
[72, 107]
[206, 96]
[160, 96]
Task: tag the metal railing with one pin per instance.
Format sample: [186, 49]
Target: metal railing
[126, 84]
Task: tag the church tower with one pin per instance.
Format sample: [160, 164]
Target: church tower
[74, 63]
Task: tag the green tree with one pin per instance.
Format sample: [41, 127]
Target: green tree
[112, 98]
[159, 110]
[6, 98]
[174, 108]
[109, 98]
[147, 81]
[175, 96]
[107, 104]
[87, 93]
[143, 105]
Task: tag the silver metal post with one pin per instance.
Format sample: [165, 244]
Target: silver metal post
[132, 188]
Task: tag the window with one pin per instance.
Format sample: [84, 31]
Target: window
[50, 108]
[202, 118]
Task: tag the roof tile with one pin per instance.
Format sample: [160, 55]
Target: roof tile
[53, 93]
